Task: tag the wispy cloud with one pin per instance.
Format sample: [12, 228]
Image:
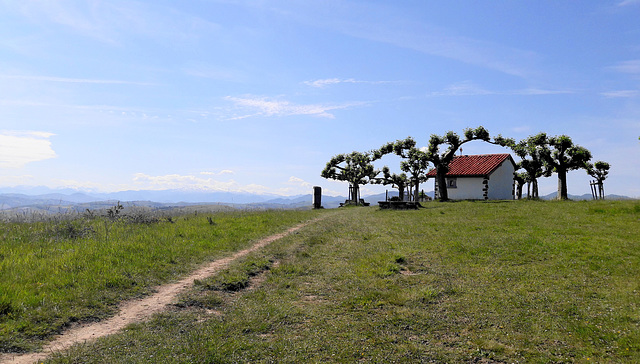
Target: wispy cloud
[522, 129]
[629, 2]
[468, 88]
[334, 81]
[202, 70]
[465, 88]
[74, 80]
[221, 173]
[632, 66]
[18, 148]
[264, 106]
[539, 91]
[113, 21]
[439, 42]
[621, 94]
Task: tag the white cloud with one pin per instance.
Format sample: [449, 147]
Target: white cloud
[522, 129]
[222, 172]
[621, 93]
[191, 182]
[113, 21]
[88, 186]
[537, 91]
[209, 71]
[264, 106]
[435, 41]
[299, 182]
[18, 148]
[468, 88]
[172, 181]
[629, 2]
[327, 82]
[333, 81]
[632, 66]
[465, 88]
[293, 186]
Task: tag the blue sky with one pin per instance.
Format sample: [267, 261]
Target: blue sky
[256, 96]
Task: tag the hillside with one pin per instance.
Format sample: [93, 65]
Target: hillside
[510, 281]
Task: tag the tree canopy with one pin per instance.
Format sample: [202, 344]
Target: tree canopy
[414, 161]
[563, 156]
[530, 151]
[399, 181]
[539, 154]
[355, 168]
[441, 159]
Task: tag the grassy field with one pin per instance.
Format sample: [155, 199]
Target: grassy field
[57, 272]
[519, 281]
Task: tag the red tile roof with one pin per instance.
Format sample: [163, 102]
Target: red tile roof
[474, 165]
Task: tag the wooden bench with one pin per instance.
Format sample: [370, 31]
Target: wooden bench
[399, 205]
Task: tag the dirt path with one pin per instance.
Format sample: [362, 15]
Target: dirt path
[138, 310]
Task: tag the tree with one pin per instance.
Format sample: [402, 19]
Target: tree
[599, 170]
[415, 161]
[561, 157]
[399, 181]
[355, 168]
[520, 179]
[530, 151]
[441, 160]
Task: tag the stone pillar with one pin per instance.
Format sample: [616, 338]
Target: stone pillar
[317, 197]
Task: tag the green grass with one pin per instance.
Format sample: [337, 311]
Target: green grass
[56, 273]
[522, 281]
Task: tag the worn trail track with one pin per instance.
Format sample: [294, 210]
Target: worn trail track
[139, 309]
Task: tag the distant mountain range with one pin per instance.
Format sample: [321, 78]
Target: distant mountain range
[45, 200]
[586, 196]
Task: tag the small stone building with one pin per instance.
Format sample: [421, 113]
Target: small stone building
[479, 177]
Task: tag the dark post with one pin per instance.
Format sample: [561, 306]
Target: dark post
[317, 197]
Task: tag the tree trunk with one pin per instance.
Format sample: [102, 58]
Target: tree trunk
[355, 194]
[535, 189]
[562, 184]
[601, 189]
[519, 191]
[401, 192]
[442, 186]
[416, 193]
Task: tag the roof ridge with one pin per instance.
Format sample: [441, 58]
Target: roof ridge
[475, 164]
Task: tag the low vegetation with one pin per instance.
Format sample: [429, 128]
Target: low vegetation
[512, 281]
[59, 271]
